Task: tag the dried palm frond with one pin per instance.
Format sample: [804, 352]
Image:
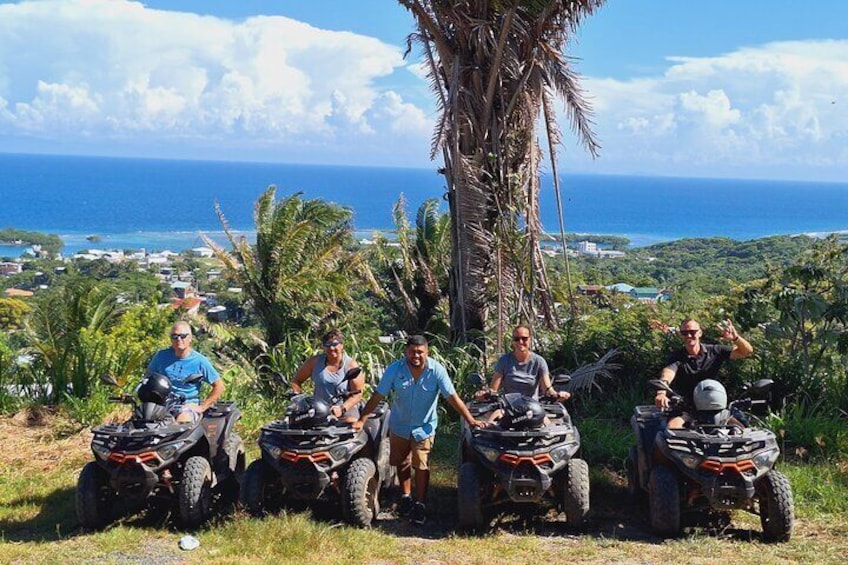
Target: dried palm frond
[586, 376]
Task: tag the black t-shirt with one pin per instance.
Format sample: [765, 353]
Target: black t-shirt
[689, 370]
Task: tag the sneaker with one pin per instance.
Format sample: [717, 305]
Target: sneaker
[404, 507]
[418, 514]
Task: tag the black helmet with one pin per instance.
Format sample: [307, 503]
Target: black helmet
[521, 412]
[308, 412]
[154, 388]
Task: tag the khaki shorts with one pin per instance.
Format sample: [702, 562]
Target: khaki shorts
[193, 414]
[402, 447]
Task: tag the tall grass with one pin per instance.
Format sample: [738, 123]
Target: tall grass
[808, 430]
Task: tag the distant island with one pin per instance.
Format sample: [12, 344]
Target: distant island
[49, 242]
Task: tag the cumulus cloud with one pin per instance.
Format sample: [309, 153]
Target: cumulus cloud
[758, 111]
[110, 74]
[116, 70]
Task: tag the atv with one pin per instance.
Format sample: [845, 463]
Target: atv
[717, 463]
[310, 455]
[528, 456]
[152, 461]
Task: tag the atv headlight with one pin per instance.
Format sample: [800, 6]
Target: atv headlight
[690, 460]
[340, 452]
[765, 458]
[489, 453]
[168, 451]
[273, 451]
[101, 451]
[559, 453]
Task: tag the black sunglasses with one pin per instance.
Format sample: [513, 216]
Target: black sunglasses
[331, 343]
[179, 336]
[689, 332]
[521, 338]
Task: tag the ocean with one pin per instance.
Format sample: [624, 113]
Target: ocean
[165, 204]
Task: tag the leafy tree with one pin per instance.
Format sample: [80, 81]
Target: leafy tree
[12, 312]
[803, 312]
[496, 68]
[299, 270]
[137, 334]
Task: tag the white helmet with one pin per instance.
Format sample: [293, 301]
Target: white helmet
[710, 395]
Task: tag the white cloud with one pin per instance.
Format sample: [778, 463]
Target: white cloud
[115, 70]
[757, 111]
[111, 74]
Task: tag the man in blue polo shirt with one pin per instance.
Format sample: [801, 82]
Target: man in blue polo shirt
[415, 383]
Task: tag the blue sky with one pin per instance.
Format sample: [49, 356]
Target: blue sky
[750, 89]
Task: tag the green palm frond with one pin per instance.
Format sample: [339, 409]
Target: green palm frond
[292, 272]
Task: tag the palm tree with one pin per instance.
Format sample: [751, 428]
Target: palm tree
[67, 330]
[299, 269]
[496, 68]
[413, 281]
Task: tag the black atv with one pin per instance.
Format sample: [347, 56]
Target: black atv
[716, 464]
[310, 455]
[152, 461]
[528, 456]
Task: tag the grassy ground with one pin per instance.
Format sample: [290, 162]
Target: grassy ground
[40, 461]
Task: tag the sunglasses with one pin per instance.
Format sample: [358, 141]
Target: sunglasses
[179, 336]
[521, 338]
[332, 343]
[689, 333]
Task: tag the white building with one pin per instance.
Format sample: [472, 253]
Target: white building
[202, 252]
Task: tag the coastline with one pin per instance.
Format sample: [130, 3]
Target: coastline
[120, 201]
[179, 241]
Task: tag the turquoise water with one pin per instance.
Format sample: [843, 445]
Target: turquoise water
[161, 204]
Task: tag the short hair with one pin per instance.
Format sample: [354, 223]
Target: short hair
[333, 334]
[182, 323]
[689, 320]
[416, 340]
[522, 327]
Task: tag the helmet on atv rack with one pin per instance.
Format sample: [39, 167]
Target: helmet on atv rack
[710, 395]
[308, 412]
[155, 388]
[521, 412]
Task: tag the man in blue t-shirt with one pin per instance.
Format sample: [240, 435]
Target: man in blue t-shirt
[415, 383]
[179, 362]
